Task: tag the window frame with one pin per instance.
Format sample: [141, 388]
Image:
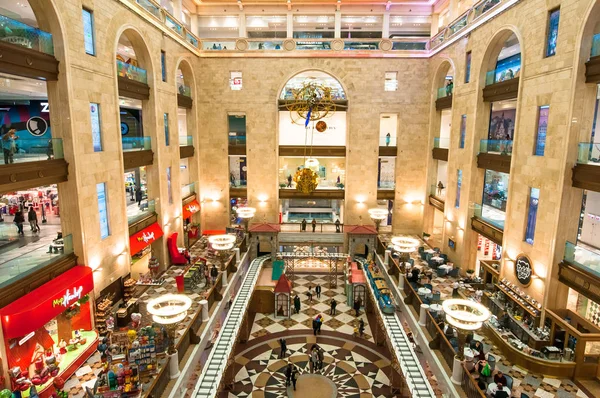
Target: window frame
[468, 59]
[105, 202]
[93, 28]
[547, 34]
[99, 111]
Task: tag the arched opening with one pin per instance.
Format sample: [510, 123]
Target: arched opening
[318, 145]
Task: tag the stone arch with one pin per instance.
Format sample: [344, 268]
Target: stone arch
[493, 48]
[189, 79]
[590, 26]
[441, 72]
[48, 20]
[140, 47]
[305, 70]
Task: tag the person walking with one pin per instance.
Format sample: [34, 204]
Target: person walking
[33, 220]
[361, 327]
[388, 139]
[309, 294]
[289, 179]
[318, 291]
[314, 358]
[320, 358]
[138, 195]
[297, 304]
[337, 225]
[357, 306]
[19, 220]
[9, 146]
[455, 287]
[288, 374]
[294, 377]
[303, 225]
[214, 272]
[314, 224]
[333, 305]
[319, 323]
[315, 326]
[282, 348]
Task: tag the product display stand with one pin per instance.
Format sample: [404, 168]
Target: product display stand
[102, 311]
[129, 290]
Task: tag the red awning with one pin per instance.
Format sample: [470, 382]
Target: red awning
[35, 309]
[145, 237]
[191, 208]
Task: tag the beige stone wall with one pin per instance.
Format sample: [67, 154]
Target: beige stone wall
[363, 80]
[544, 81]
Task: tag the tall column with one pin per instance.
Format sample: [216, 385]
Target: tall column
[338, 24]
[242, 28]
[194, 23]
[290, 25]
[177, 9]
[435, 19]
[453, 13]
[386, 25]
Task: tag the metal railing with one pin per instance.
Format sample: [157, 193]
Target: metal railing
[136, 143]
[132, 72]
[502, 147]
[20, 34]
[588, 153]
[31, 149]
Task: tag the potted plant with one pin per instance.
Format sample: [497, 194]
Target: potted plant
[282, 185]
[340, 185]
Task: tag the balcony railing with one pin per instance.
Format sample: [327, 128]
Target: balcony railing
[237, 140]
[37, 256]
[487, 215]
[502, 147]
[20, 34]
[186, 140]
[438, 192]
[589, 153]
[184, 90]
[132, 72]
[499, 75]
[386, 185]
[238, 183]
[595, 45]
[33, 149]
[441, 142]
[444, 92]
[136, 213]
[582, 257]
[171, 23]
[187, 190]
[387, 141]
[136, 143]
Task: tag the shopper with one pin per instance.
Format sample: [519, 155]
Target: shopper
[499, 378]
[357, 306]
[294, 377]
[297, 304]
[321, 357]
[33, 220]
[318, 291]
[315, 326]
[303, 225]
[479, 349]
[309, 294]
[337, 225]
[288, 374]
[19, 220]
[289, 179]
[314, 358]
[333, 305]
[319, 323]
[440, 187]
[138, 195]
[388, 139]
[314, 224]
[455, 287]
[361, 327]
[214, 272]
[282, 348]
[9, 146]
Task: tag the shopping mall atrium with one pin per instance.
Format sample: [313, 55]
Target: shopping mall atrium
[311, 199]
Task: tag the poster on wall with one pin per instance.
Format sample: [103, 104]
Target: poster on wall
[508, 68]
[458, 186]
[502, 124]
[102, 210]
[95, 123]
[32, 125]
[540, 142]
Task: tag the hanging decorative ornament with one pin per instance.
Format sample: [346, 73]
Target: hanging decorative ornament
[312, 163]
[306, 180]
[312, 102]
[321, 126]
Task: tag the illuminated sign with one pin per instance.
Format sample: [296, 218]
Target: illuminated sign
[69, 298]
[523, 270]
[192, 208]
[146, 237]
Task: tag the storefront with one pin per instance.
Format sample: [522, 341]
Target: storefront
[143, 265]
[191, 211]
[49, 332]
[495, 197]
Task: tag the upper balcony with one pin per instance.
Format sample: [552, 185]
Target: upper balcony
[137, 152]
[592, 66]
[186, 146]
[500, 85]
[485, 221]
[26, 51]
[437, 197]
[580, 270]
[32, 162]
[440, 148]
[444, 98]
[586, 173]
[495, 155]
[133, 81]
[184, 96]
[237, 144]
[388, 145]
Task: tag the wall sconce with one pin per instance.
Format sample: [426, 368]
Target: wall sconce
[262, 198]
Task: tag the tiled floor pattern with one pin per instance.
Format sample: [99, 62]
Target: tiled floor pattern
[354, 369]
[344, 321]
[531, 384]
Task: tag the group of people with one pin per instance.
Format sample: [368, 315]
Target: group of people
[32, 217]
[313, 224]
[316, 324]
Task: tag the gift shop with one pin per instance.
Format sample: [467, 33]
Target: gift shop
[143, 264]
[48, 333]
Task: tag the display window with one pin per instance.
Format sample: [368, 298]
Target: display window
[331, 171]
[502, 120]
[48, 332]
[495, 197]
[238, 171]
[136, 192]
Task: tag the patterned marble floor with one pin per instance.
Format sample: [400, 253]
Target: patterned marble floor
[344, 321]
[358, 370]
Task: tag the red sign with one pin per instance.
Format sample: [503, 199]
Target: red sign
[145, 237]
[191, 208]
[35, 309]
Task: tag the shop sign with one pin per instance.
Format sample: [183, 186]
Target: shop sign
[69, 298]
[138, 241]
[191, 208]
[523, 269]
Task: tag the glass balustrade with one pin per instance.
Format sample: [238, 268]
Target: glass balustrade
[188, 189]
[441, 142]
[174, 25]
[20, 34]
[186, 140]
[483, 7]
[361, 45]
[184, 90]
[437, 39]
[136, 143]
[437, 191]
[151, 7]
[31, 149]
[500, 75]
[136, 212]
[191, 39]
[502, 147]
[132, 72]
[387, 141]
[582, 257]
[409, 45]
[595, 45]
[444, 91]
[489, 214]
[319, 44]
[589, 153]
[237, 140]
[46, 250]
[459, 24]
[218, 45]
[268, 45]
